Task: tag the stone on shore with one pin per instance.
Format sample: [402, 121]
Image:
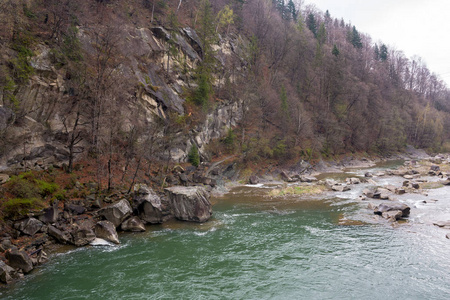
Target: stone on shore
[117, 212]
[147, 204]
[190, 203]
[50, 214]
[62, 237]
[387, 207]
[19, 259]
[133, 224]
[253, 179]
[107, 230]
[6, 273]
[29, 226]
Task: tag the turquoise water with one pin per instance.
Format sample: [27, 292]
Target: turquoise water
[260, 248]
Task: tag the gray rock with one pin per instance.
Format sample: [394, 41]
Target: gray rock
[147, 204]
[385, 207]
[340, 188]
[5, 273]
[5, 245]
[448, 235]
[253, 179]
[353, 180]
[107, 230]
[62, 237]
[82, 236]
[445, 224]
[305, 178]
[74, 209]
[392, 215]
[19, 259]
[4, 178]
[117, 212]
[190, 203]
[29, 226]
[50, 214]
[368, 174]
[132, 224]
[284, 176]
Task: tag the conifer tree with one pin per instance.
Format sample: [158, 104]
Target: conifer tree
[383, 52]
[355, 38]
[311, 23]
[376, 52]
[335, 51]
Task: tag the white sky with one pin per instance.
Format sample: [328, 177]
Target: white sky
[416, 27]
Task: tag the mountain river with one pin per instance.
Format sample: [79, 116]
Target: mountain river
[258, 247]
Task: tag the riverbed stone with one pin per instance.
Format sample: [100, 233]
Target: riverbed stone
[253, 179]
[107, 230]
[117, 212]
[353, 180]
[19, 259]
[340, 188]
[392, 215]
[444, 224]
[133, 224]
[5, 272]
[190, 203]
[386, 207]
[82, 236]
[147, 204]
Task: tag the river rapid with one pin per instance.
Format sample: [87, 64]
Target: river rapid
[258, 247]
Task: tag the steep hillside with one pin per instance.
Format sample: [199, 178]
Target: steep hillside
[133, 82]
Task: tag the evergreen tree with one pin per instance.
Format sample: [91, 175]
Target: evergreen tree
[293, 13]
[383, 52]
[335, 51]
[355, 38]
[311, 23]
[322, 34]
[194, 156]
[376, 52]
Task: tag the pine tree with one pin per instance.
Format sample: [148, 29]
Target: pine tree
[376, 52]
[383, 52]
[311, 23]
[322, 34]
[292, 11]
[194, 156]
[355, 38]
[335, 51]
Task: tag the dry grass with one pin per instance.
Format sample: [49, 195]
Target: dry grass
[298, 190]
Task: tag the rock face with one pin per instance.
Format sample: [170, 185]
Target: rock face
[190, 203]
[147, 204]
[117, 212]
[388, 207]
[19, 259]
[107, 231]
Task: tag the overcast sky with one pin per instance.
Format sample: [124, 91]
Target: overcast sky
[417, 27]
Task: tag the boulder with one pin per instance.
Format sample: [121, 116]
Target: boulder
[29, 226]
[132, 224]
[107, 230]
[386, 207]
[117, 212]
[147, 204]
[62, 237]
[340, 188]
[50, 214]
[74, 209]
[253, 179]
[305, 178]
[368, 174]
[4, 178]
[82, 236]
[353, 180]
[19, 259]
[392, 215]
[5, 272]
[284, 176]
[190, 203]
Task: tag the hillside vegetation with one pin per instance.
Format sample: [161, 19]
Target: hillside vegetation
[298, 83]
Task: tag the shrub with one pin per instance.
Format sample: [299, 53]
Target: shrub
[194, 156]
[20, 206]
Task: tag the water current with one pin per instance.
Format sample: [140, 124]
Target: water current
[257, 247]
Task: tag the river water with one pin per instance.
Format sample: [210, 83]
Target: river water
[257, 247]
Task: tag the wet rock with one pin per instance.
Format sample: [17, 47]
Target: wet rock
[392, 215]
[147, 204]
[82, 236]
[408, 176]
[62, 237]
[100, 242]
[448, 235]
[368, 174]
[400, 191]
[340, 188]
[19, 259]
[29, 226]
[253, 180]
[380, 174]
[386, 207]
[353, 180]
[107, 230]
[444, 224]
[305, 178]
[190, 203]
[6, 272]
[117, 212]
[133, 224]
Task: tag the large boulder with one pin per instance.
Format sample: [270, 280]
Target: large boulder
[133, 224]
[387, 207]
[29, 226]
[50, 214]
[19, 259]
[147, 204]
[107, 230]
[62, 237]
[117, 212]
[5, 273]
[190, 203]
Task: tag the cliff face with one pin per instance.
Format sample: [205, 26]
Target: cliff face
[147, 75]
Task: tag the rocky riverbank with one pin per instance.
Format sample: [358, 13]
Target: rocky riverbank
[97, 220]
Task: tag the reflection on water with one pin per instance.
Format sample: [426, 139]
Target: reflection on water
[259, 247]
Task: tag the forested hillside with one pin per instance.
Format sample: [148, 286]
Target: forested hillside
[127, 82]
